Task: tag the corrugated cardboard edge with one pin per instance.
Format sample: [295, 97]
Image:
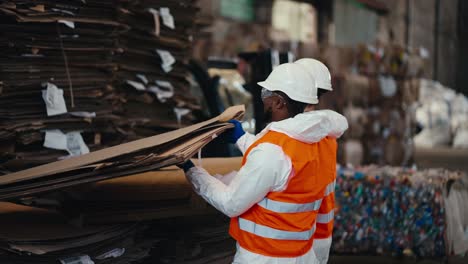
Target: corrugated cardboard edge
[107, 153]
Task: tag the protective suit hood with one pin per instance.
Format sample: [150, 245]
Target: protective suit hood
[311, 127]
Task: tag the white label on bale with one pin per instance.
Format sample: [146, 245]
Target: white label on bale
[167, 59]
[166, 85]
[137, 85]
[83, 114]
[114, 253]
[168, 19]
[69, 24]
[161, 94]
[55, 139]
[180, 112]
[71, 142]
[85, 259]
[54, 100]
[76, 145]
[163, 90]
[143, 78]
[167, 68]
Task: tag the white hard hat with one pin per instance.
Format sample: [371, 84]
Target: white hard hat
[319, 71]
[293, 80]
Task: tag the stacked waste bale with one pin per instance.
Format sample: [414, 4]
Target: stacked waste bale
[373, 88]
[78, 76]
[393, 211]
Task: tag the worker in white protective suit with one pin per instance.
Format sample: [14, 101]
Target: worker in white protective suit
[324, 231]
[275, 199]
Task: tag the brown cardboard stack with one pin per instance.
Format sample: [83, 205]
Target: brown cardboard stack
[102, 223]
[152, 195]
[374, 88]
[30, 235]
[138, 156]
[93, 73]
[106, 224]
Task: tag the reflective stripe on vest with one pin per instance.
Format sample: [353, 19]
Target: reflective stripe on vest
[330, 188]
[325, 218]
[282, 207]
[268, 232]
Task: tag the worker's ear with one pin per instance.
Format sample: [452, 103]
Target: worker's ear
[278, 102]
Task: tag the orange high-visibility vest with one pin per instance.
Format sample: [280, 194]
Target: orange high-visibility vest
[283, 223]
[327, 148]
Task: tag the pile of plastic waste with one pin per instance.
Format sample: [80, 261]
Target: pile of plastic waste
[383, 212]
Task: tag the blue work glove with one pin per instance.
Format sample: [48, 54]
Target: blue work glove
[235, 133]
[186, 166]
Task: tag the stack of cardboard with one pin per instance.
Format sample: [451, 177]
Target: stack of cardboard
[374, 89]
[147, 196]
[31, 235]
[151, 61]
[102, 222]
[130, 158]
[90, 74]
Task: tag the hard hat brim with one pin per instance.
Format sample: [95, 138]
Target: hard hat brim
[270, 87]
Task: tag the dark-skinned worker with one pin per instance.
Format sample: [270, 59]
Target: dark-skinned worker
[274, 199]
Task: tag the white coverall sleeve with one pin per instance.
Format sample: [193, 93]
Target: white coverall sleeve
[244, 142]
[322, 249]
[267, 169]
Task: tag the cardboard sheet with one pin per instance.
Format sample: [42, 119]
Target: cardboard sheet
[130, 158]
[165, 184]
[102, 155]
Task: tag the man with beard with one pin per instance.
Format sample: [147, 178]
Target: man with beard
[274, 199]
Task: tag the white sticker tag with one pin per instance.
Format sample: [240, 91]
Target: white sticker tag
[69, 24]
[54, 100]
[168, 19]
[72, 142]
[166, 68]
[137, 85]
[85, 259]
[164, 90]
[114, 253]
[55, 139]
[143, 78]
[76, 145]
[83, 114]
[161, 94]
[180, 112]
[165, 84]
[167, 59]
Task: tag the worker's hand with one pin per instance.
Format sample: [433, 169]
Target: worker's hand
[235, 133]
[186, 166]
